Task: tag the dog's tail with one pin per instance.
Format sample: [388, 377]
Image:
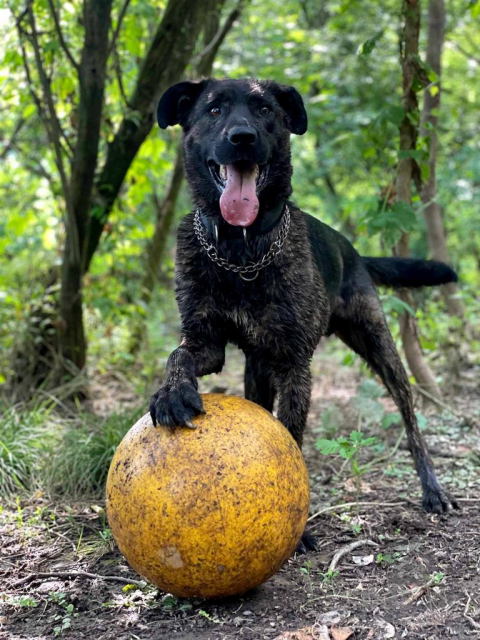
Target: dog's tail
[409, 272]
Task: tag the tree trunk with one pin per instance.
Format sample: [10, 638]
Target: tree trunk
[88, 201]
[213, 38]
[432, 210]
[92, 76]
[165, 63]
[408, 137]
[157, 246]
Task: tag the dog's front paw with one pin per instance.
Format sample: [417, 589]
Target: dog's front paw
[175, 406]
[437, 500]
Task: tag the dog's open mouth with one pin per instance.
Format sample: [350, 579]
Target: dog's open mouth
[239, 185]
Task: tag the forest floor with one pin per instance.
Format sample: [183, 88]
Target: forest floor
[422, 580]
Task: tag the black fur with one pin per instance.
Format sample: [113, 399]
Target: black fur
[316, 286]
[408, 272]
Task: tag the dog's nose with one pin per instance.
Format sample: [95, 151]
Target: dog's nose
[242, 135]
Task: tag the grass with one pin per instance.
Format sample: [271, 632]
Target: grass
[61, 455]
[24, 445]
[83, 457]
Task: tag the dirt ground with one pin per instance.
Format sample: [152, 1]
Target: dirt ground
[420, 580]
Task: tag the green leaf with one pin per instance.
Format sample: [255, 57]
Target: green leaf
[29, 111]
[370, 410]
[421, 420]
[370, 389]
[327, 447]
[394, 114]
[369, 45]
[331, 419]
[405, 215]
[393, 304]
[391, 418]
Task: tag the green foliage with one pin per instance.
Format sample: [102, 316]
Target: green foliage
[23, 448]
[65, 618]
[83, 457]
[369, 45]
[345, 447]
[343, 58]
[63, 456]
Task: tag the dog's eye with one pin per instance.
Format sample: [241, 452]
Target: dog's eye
[264, 111]
[214, 111]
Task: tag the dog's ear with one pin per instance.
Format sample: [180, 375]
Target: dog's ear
[292, 103]
[177, 101]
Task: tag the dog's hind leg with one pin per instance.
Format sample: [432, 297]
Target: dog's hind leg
[361, 324]
[259, 386]
[294, 384]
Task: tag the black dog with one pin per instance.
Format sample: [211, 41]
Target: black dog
[254, 270]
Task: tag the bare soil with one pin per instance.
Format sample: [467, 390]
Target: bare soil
[421, 581]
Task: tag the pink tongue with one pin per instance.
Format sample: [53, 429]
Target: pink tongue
[238, 202]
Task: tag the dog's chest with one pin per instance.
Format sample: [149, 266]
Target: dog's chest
[265, 317]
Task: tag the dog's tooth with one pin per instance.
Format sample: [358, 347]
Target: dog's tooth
[223, 172]
[256, 172]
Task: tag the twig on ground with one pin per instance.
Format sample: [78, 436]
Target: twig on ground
[420, 591]
[350, 547]
[435, 400]
[474, 624]
[350, 505]
[75, 574]
[64, 537]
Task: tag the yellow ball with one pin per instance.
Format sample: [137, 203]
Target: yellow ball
[213, 511]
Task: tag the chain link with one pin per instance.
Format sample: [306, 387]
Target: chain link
[212, 252]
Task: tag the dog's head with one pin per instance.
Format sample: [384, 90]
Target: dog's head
[236, 142]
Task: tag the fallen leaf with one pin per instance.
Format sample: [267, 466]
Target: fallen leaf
[351, 485]
[332, 617]
[341, 633]
[384, 630]
[97, 509]
[317, 632]
[363, 560]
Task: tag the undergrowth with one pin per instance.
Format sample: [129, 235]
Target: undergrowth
[41, 449]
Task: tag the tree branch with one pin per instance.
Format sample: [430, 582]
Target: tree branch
[118, 72]
[45, 117]
[466, 53]
[11, 143]
[63, 43]
[116, 33]
[204, 59]
[54, 130]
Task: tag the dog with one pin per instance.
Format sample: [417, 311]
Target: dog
[254, 270]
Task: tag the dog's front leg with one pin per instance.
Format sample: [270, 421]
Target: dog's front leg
[178, 401]
[294, 388]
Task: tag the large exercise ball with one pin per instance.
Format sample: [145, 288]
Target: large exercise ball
[212, 511]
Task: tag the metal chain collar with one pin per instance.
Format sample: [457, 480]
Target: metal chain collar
[249, 269]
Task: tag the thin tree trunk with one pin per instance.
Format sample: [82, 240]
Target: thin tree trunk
[408, 137]
[213, 39]
[165, 63]
[156, 249]
[92, 76]
[431, 104]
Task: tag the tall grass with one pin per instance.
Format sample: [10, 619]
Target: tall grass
[25, 444]
[83, 457]
[41, 448]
